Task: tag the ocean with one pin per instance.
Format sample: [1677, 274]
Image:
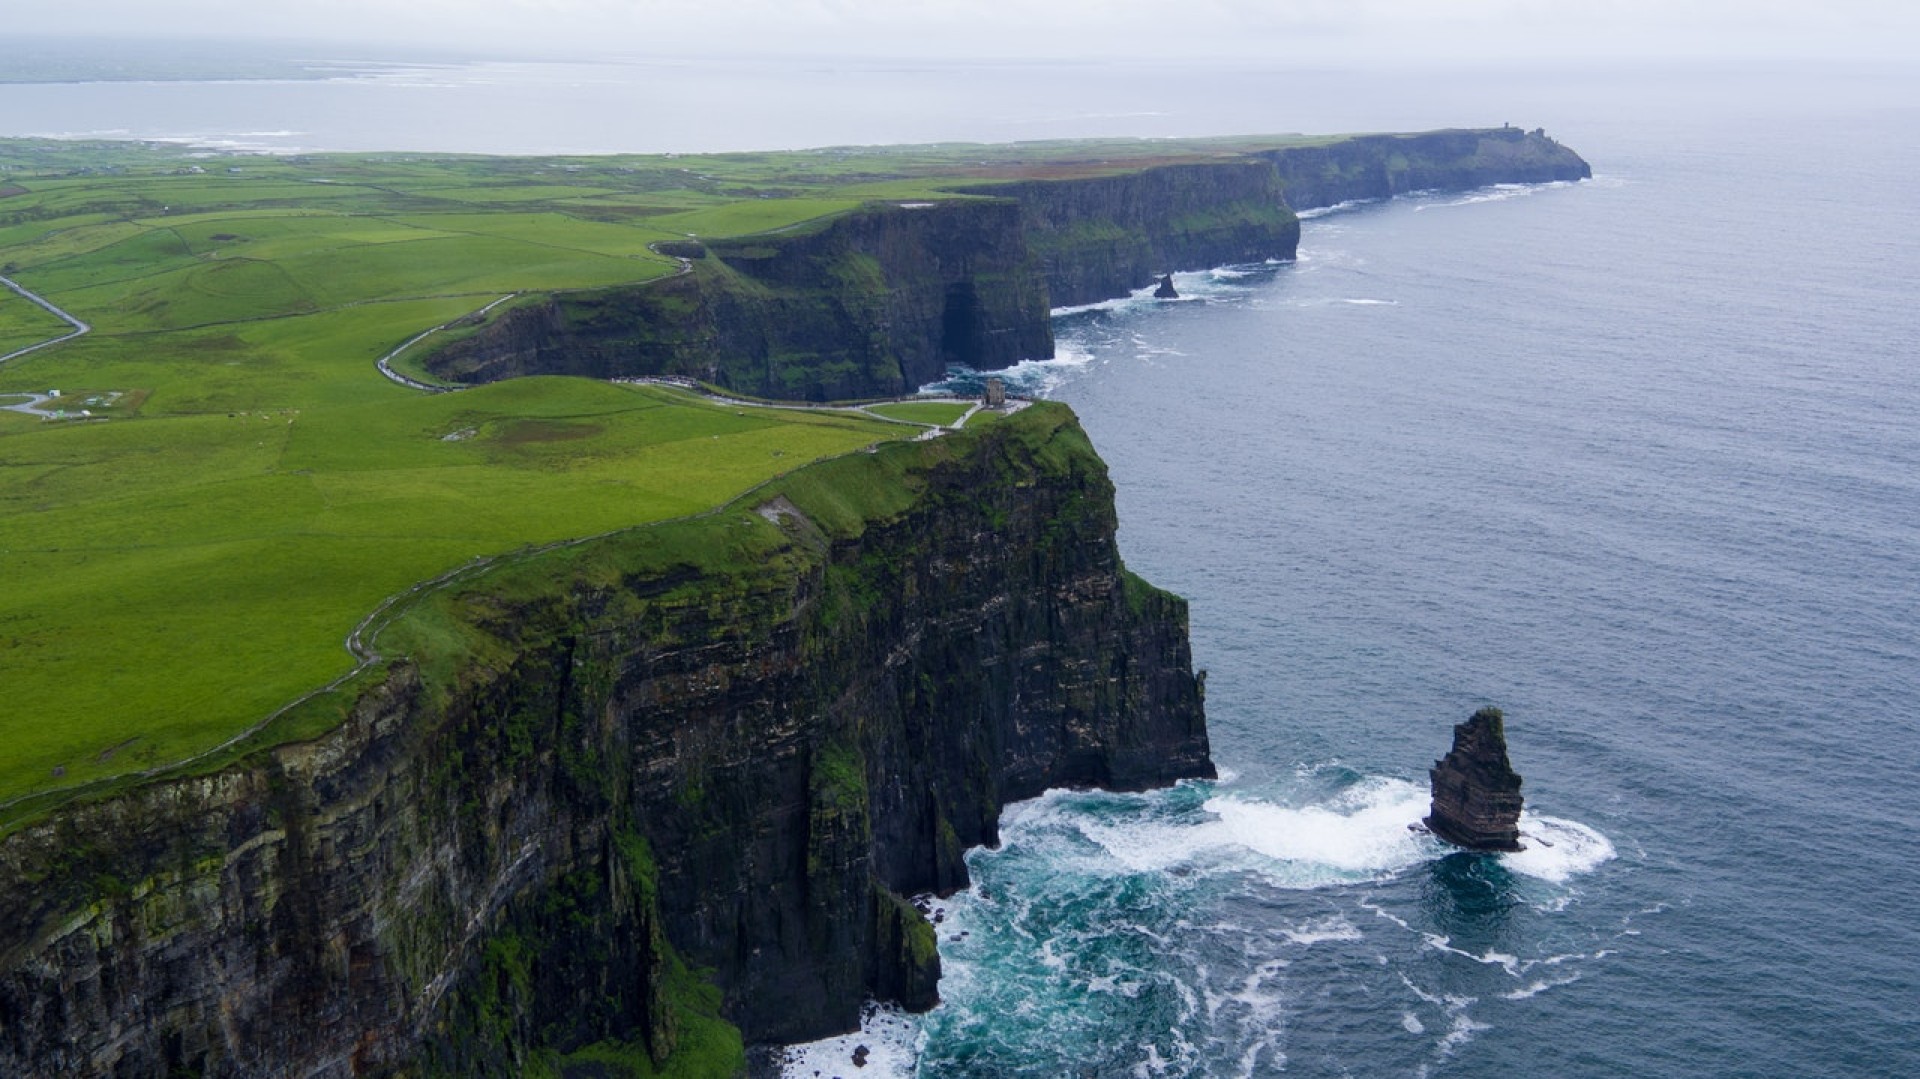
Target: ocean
[1636, 460]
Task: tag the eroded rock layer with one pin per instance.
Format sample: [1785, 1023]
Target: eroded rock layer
[731, 744]
[880, 300]
[1476, 792]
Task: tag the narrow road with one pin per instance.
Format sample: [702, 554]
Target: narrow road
[864, 408]
[359, 642]
[79, 327]
[31, 406]
[385, 363]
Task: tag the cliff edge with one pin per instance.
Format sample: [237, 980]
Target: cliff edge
[882, 299]
[643, 796]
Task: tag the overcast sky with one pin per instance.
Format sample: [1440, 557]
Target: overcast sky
[1334, 31]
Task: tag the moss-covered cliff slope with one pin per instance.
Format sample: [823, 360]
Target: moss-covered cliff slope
[624, 791]
[880, 298]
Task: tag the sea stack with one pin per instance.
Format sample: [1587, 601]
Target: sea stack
[1476, 792]
[1166, 291]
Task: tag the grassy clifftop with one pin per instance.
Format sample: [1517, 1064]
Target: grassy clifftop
[245, 486]
[227, 484]
[173, 580]
[724, 744]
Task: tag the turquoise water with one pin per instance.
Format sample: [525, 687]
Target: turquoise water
[1637, 460]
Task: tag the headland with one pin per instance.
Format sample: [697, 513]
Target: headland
[657, 709]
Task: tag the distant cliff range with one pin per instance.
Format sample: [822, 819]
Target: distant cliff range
[880, 300]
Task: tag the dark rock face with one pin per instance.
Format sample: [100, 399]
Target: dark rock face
[874, 302]
[1381, 166]
[1166, 291]
[1476, 792]
[1103, 237]
[880, 300]
[738, 742]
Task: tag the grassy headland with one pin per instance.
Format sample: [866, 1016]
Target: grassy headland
[249, 486]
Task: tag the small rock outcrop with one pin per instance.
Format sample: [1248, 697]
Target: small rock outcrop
[1476, 792]
[1166, 291]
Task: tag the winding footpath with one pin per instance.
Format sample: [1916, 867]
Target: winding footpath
[385, 363]
[359, 643]
[34, 400]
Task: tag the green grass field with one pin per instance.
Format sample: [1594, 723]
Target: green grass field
[181, 570]
[250, 488]
[928, 412]
[24, 323]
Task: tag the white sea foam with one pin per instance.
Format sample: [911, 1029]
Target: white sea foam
[1354, 301]
[1460, 1027]
[1320, 930]
[1509, 963]
[1036, 378]
[892, 1038]
[1193, 287]
[1363, 831]
[1359, 834]
[1461, 1032]
[1381, 912]
[1138, 295]
[257, 142]
[1323, 211]
[1496, 193]
[1557, 850]
[1534, 989]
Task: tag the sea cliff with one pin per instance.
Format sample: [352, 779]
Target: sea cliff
[881, 299]
[1381, 166]
[869, 303]
[1101, 237]
[632, 799]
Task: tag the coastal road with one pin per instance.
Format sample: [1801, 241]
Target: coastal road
[385, 363]
[79, 327]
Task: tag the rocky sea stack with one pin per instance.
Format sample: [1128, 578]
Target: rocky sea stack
[1476, 792]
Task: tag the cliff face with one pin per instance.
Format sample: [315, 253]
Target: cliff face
[1100, 238]
[1381, 166]
[874, 302]
[879, 301]
[731, 743]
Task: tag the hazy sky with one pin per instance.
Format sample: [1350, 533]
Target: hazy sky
[1338, 31]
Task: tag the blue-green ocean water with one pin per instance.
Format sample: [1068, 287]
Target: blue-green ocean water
[1637, 460]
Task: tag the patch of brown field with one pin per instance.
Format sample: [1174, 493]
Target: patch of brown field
[8, 191]
[526, 432]
[218, 343]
